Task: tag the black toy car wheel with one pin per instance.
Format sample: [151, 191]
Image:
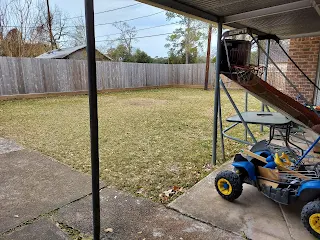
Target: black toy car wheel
[228, 185]
[310, 217]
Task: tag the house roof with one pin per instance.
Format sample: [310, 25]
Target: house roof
[284, 18]
[64, 52]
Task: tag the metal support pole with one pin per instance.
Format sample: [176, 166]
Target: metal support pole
[258, 63]
[93, 105]
[220, 125]
[282, 73]
[246, 105]
[258, 56]
[216, 95]
[238, 112]
[206, 80]
[296, 65]
[308, 150]
[265, 74]
[246, 110]
[234, 138]
[267, 107]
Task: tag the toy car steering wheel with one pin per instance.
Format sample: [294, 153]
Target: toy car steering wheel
[283, 160]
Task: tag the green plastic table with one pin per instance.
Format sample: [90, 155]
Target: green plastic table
[261, 118]
[274, 120]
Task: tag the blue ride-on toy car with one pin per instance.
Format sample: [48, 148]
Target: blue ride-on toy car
[278, 177]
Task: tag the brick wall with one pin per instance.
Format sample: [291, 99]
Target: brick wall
[305, 52]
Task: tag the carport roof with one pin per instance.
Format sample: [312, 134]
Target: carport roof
[284, 18]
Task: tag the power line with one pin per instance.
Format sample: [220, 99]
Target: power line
[148, 36]
[161, 34]
[131, 19]
[110, 10]
[139, 29]
[99, 24]
[117, 39]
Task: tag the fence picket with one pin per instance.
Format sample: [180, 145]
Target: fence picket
[33, 75]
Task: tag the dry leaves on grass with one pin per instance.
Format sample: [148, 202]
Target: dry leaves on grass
[167, 195]
[208, 167]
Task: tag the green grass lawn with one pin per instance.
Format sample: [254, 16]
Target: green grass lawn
[150, 140]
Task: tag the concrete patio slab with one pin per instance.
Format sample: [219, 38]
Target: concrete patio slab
[136, 218]
[292, 216]
[252, 213]
[32, 184]
[7, 146]
[43, 229]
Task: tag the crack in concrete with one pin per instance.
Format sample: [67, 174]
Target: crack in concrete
[286, 221]
[43, 215]
[73, 232]
[207, 223]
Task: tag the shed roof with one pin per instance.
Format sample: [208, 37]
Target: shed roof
[284, 18]
[63, 52]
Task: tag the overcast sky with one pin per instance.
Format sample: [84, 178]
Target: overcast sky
[154, 46]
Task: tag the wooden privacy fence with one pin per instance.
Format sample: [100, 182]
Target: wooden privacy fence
[31, 75]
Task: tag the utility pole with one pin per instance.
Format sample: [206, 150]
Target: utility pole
[1, 29]
[206, 81]
[50, 25]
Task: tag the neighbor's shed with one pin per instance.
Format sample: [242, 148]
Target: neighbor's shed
[76, 53]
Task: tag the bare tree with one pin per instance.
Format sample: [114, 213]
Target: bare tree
[53, 27]
[127, 35]
[16, 19]
[24, 27]
[3, 22]
[78, 33]
[3, 17]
